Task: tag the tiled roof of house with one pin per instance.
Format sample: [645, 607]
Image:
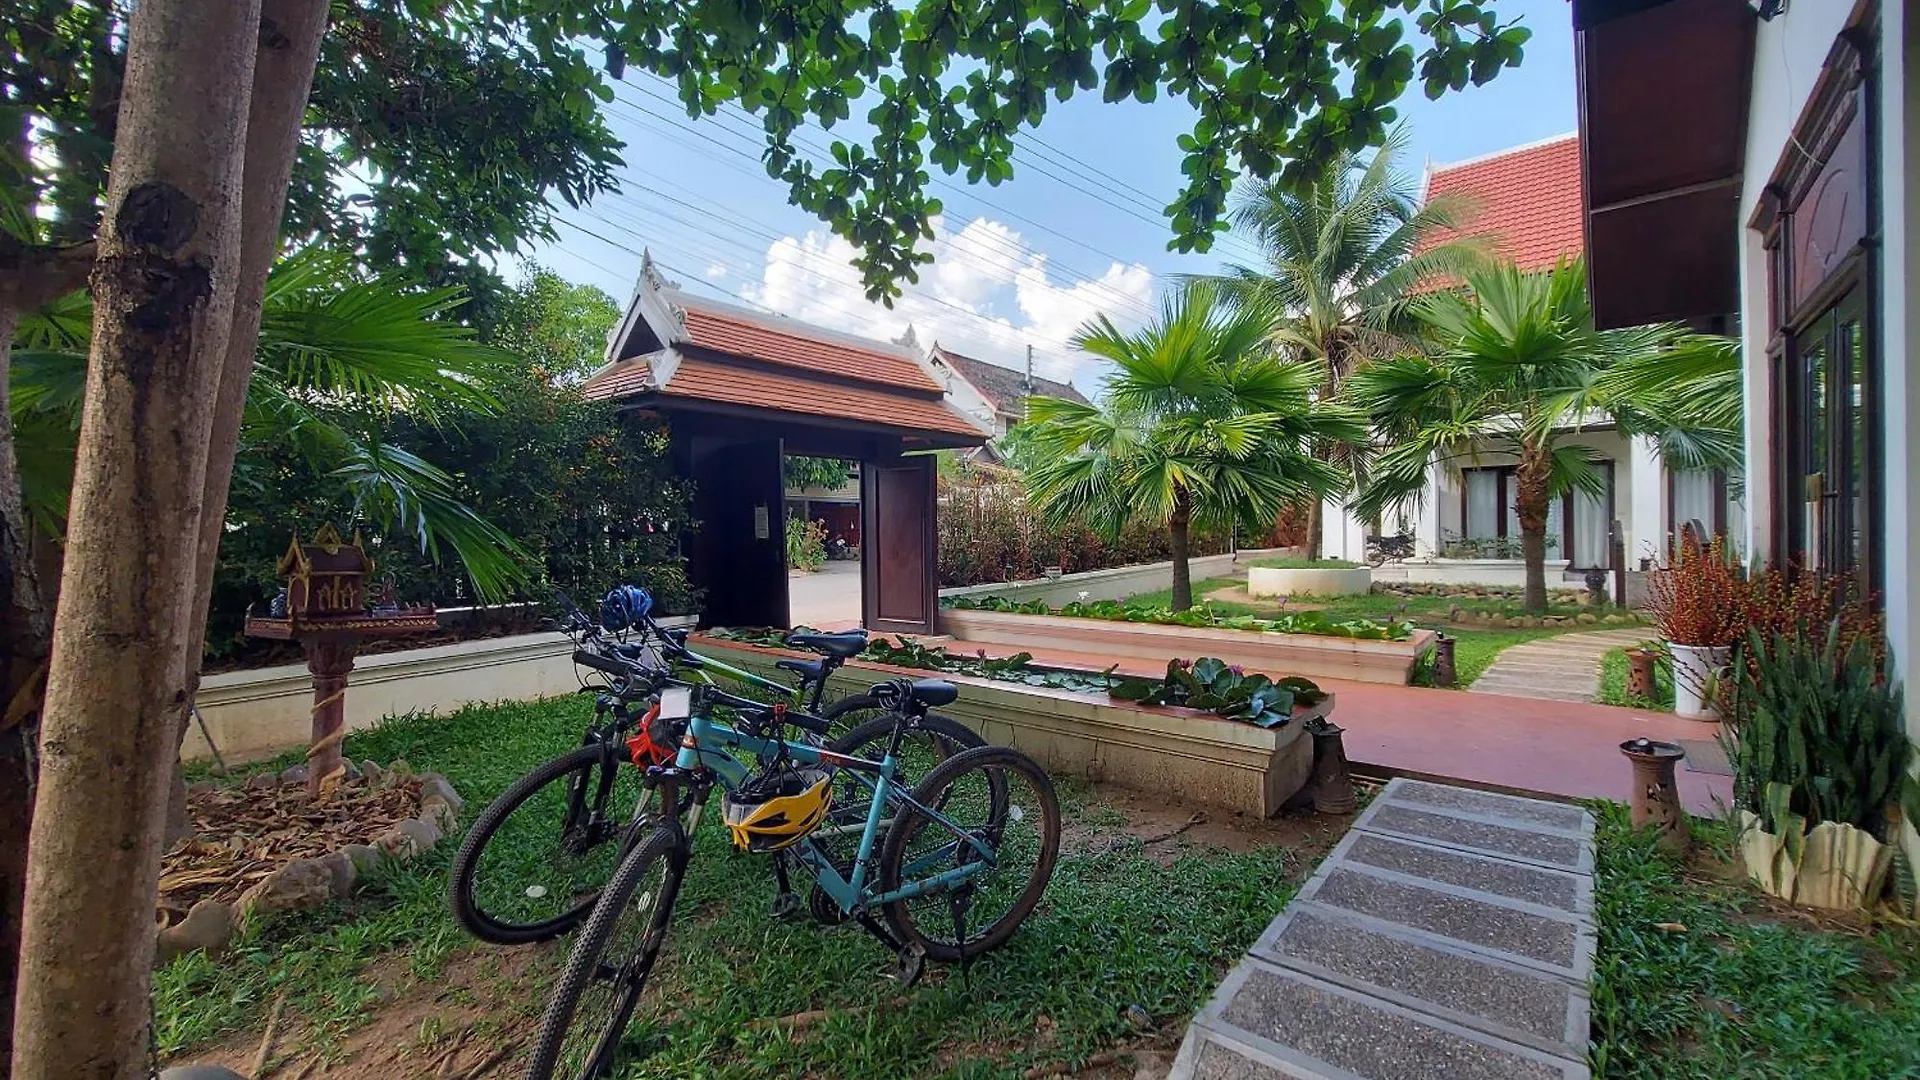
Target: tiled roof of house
[701, 378]
[800, 346]
[1528, 200]
[1003, 387]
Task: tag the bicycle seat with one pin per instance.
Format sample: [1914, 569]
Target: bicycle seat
[928, 692]
[839, 646]
[806, 669]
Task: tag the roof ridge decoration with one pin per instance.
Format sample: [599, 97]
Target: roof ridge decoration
[650, 274]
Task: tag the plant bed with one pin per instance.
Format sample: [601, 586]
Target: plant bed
[1309, 579]
[266, 847]
[1181, 753]
[1242, 641]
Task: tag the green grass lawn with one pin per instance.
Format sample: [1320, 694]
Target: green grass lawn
[1698, 979]
[1118, 927]
[1613, 682]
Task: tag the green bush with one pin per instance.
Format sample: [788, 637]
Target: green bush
[1816, 732]
[806, 544]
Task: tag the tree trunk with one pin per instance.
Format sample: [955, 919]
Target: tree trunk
[1178, 525]
[163, 308]
[1315, 541]
[1530, 507]
[290, 32]
[24, 643]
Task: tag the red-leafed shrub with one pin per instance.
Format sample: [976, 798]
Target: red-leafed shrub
[1703, 597]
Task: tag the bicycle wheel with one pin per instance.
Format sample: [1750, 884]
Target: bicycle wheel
[851, 712]
[538, 856]
[993, 794]
[606, 973]
[930, 740]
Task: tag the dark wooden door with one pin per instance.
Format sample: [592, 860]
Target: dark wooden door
[897, 561]
[740, 555]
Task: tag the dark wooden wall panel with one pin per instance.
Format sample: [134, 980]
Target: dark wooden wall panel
[897, 561]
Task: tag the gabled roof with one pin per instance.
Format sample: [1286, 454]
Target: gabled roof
[1004, 388]
[1527, 200]
[695, 353]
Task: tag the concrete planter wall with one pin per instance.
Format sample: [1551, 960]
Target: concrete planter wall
[1118, 583]
[1329, 581]
[1312, 655]
[1178, 753]
[259, 713]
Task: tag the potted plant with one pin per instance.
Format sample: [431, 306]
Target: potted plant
[1701, 602]
[1820, 761]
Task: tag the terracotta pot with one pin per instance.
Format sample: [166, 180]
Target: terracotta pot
[1640, 682]
[1696, 676]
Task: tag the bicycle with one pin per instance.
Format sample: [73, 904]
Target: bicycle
[981, 829]
[536, 858]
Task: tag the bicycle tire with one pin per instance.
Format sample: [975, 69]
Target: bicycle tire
[935, 789]
[489, 921]
[584, 964]
[850, 712]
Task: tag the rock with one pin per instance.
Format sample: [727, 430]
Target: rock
[1536, 622]
[1612, 620]
[409, 838]
[200, 1072]
[209, 925]
[363, 856]
[1516, 622]
[1138, 1017]
[435, 786]
[1586, 618]
[201, 787]
[300, 885]
[295, 775]
[400, 769]
[440, 813]
[1453, 614]
[344, 872]
[353, 771]
[371, 772]
[262, 781]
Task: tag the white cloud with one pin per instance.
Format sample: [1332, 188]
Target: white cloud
[716, 271]
[986, 294]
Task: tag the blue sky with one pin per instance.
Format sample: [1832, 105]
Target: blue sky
[1077, 231]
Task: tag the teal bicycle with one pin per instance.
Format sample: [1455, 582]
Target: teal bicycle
[946, 871]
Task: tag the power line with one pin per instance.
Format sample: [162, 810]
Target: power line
[1014, 248]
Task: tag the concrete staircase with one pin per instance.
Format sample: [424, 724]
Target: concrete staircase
[1450, 935]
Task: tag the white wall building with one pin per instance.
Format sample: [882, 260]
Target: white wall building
[1529, 204]
[1757, 158]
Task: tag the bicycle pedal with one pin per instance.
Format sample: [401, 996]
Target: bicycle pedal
[785, 906]
[908, 964]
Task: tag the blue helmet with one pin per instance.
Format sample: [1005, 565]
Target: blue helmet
[625, 607]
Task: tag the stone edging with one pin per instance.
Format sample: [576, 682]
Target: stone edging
[305, 884]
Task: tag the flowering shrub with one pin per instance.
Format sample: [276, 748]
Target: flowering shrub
[1703, 598]
[988, 533]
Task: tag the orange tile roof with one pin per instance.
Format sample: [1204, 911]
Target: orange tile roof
[699, 378]
[1527, 199]
[741, 336]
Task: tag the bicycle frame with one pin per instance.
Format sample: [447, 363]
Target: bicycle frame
[708, 747]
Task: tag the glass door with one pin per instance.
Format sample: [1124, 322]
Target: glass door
[1834, 445]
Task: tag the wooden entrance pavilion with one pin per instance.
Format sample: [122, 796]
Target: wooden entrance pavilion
[742, 389]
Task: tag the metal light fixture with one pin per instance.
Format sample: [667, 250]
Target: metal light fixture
[1767, 9]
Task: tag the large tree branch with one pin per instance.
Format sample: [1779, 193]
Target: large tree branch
[33, 274]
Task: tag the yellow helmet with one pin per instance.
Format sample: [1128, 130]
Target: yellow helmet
[777, 809]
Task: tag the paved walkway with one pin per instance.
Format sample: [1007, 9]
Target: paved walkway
[1449, 935]
[828, 598]
[1527, 746]
[1561, 668]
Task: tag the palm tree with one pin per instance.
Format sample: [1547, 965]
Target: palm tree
[1518, 367]
[1202, 424]
[331, 346]
[1342, 262]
